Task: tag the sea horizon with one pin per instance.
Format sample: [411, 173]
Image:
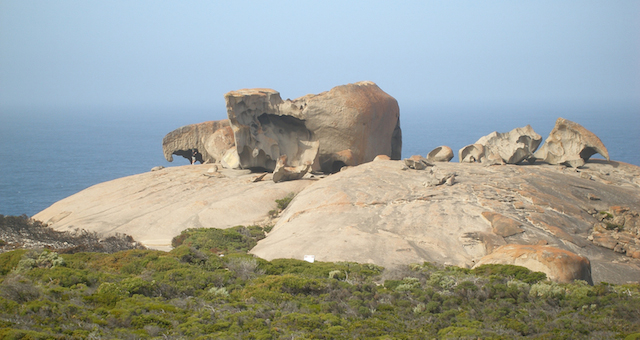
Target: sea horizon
[47, 156]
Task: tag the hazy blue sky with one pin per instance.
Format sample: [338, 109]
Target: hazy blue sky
[187, 54]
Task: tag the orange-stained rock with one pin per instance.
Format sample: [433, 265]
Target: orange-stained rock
[616, 209]
[559, 265]
[502, 225]
[210, 140]
[348, 125]
[604, 240]
[633, 251]
[571, 144]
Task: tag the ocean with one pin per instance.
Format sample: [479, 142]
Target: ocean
[46, 156]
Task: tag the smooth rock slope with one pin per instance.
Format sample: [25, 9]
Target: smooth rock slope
[381, 212]
[154, 207]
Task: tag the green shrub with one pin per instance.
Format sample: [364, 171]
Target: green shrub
[407, 284]
[236, 239]
[547, 290]
[11, 333]
[267, 229]
[10, 260]
[19, 289]
[44, 259]
[283, 203]
[244, 268]
[65, 277]
[510, 271]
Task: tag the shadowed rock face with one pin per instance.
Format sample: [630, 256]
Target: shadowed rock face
[210, 140]
[559, 265]
[571, 144]
[348, 125]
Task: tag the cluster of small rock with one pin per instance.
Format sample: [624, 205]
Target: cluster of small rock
[618, 229]
[568, 143]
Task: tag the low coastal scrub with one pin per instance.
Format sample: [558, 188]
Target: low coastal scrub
[208, 287]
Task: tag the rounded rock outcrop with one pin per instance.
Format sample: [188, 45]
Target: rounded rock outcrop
[348, 125]
[560, 265]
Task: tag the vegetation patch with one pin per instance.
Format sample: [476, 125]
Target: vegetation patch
[193, 292]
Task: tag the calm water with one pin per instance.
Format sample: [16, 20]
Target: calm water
[47, 156]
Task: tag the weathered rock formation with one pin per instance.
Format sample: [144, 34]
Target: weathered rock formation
[571, 144]
[440, 154]
[210, 141]
[348, 125]
[417, 162]
[472, 153]
[511, 147]
[383, 215]
[379, 213]
[283, 172]
[559, 265]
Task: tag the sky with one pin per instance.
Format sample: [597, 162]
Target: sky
[188, 54]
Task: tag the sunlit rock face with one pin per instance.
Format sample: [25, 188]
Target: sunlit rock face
[440, 154]
[348, 125]
[511, 147]
[571, 144]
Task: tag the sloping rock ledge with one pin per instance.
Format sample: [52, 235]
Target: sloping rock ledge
[380, 212]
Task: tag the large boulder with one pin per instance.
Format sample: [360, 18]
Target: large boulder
[511, 147]
[348, 125]
[209, 141]
[559, 265]
[571, 144]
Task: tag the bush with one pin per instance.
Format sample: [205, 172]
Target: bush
[19, 289]
[244, 268]
[510, 271]
[236, 239]
[283, 203]
[9, 260]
